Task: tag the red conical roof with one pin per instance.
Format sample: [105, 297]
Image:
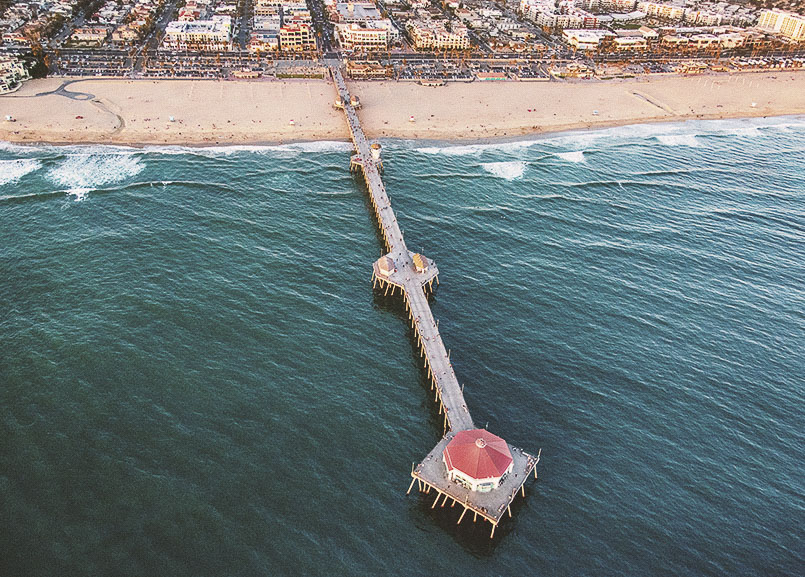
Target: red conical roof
[478, 454]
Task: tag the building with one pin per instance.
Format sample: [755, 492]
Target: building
[703, 18]
[648, 33]
[662, 11]
[788, 24]
[264, 41]
[126, 34]
[362, 71]
[544, 14]
[433, 35]
[357, 12]
[703, 41]
[12, 74]
[732, 40]
[93, 35]
[15, 37]
[585, 39]
[376, 35]
[673, 41]
[214, 34]
[297, 38]
[630, 43]
[477, 460]
[420, 263]
[618, 5]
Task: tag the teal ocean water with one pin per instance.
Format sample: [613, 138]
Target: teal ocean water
[196, 378]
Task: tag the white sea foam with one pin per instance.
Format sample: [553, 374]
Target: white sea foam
[79, 193]
[317, 146]
[789, 126]
[210, 151]
[678, 140]
[576, 156]
[476, 149]
[511, 170]
[13, 170]
[80, 171]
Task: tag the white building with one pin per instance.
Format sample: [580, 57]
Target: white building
[703, 41]
[12, 73]
[703, 18]
[432, 35]
[544, 14]
[788, 24]
[662, 11]
[372, 35]
[213, 34]
[731, 40]
[630, 43]
[585, 39]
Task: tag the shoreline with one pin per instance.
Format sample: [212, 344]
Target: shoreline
[461, 141]
[137, 113]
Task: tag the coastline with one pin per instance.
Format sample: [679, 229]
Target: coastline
[254, 113]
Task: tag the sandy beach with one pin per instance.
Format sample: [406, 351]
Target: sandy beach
[251, 112]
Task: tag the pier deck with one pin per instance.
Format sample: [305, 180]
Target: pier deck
[491, 506]
[431, 473]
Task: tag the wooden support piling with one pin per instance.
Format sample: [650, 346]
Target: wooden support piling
[411, 486]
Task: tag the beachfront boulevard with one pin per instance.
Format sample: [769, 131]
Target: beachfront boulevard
[469, 466]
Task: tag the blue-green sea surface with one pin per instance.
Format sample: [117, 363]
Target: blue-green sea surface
[196, 378]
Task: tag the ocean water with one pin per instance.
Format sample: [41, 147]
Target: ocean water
[196, 378]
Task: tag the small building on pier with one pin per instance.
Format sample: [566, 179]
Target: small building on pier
[420, 262]
[478, 460]
[386, 266]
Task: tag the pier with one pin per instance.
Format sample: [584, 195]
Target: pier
[413, 276]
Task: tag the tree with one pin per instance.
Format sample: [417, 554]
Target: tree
[38, 63]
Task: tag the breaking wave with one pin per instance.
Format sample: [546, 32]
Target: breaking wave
[228, 150]
[79, 194]
[576, 156]
[475, 149]
[81, 171]
[511, 170]
[678, 140]
[13, 170]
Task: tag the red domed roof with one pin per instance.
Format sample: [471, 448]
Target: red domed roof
[478, 454]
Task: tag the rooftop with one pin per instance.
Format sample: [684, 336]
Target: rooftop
[358, 11]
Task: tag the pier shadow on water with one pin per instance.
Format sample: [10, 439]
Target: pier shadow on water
[471, 536]
[394, 304]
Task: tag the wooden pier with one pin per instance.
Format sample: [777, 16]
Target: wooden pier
[413, 276]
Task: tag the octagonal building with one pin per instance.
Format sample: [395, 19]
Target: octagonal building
[477, 460]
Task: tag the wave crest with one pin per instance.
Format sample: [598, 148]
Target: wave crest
[678, 140]
[511, 170]
[83, 171]
[12, 171]
[576, 156]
